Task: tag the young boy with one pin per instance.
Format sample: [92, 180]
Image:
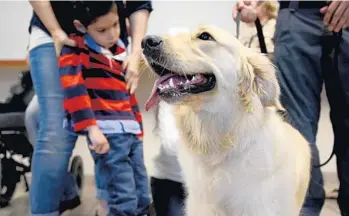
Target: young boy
[99, 105]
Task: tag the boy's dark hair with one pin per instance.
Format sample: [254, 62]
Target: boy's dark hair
[89, 11]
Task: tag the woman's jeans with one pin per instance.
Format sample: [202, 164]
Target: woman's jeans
[54, 145]
[32, 127]
[52, 151]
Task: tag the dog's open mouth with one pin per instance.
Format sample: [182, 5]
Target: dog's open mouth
[171, 86]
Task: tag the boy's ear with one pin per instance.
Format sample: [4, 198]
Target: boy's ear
[79, 26]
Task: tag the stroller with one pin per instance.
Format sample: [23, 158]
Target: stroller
[15, 148]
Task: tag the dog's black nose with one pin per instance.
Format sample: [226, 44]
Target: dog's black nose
[151, 41]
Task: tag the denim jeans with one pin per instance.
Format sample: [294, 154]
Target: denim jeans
[32, 126]
[52, 152]
[124, 175]
[304, 56]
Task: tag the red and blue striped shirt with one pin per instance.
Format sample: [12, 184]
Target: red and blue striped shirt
[95, 90]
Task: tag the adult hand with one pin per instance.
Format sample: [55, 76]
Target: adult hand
[60, 38]
[336, 15]
[247, 11]
[131, 65]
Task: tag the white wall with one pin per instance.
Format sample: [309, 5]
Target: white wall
[166, 14]
[14, 22]
[189, 14]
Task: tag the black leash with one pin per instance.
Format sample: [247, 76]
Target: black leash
[260, 35]
[238, 19]
[337, 37]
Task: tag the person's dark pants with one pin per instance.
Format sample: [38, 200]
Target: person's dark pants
[168, 197]
[304, 55]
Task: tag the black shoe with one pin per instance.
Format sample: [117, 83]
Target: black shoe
[151, 211]
[3, 202]
[69, 204]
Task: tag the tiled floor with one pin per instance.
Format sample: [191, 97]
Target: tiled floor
[19, 206]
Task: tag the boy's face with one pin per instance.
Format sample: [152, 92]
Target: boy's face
[105, 30]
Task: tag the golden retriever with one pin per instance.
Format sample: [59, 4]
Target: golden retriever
[239, 157]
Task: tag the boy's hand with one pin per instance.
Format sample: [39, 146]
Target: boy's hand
[99, 143]
[131, 65]
[60, 38]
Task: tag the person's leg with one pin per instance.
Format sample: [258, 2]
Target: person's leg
[52, 152]
[337, 89]
[70, 198]
[297, 55]
[122, 194]
[168, 197]
[140, 174]
[31, 119]
[177, 200]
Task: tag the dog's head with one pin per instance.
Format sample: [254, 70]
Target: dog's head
[208, 66]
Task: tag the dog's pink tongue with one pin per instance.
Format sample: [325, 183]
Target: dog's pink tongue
[154, 98]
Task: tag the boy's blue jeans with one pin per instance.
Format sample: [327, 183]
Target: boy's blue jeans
[122, 176]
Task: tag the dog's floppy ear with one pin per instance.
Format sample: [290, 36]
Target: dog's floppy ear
[263, 79]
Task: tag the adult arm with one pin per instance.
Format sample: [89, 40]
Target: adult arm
[138, 13]
[45, 12]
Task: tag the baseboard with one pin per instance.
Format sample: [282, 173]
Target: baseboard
[18, 64]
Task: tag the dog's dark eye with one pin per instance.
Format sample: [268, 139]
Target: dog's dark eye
[205, 36]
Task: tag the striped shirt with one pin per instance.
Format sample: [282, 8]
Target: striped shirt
[95, 90]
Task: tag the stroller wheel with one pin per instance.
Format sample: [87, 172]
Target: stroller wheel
[3, 202]
[7, 191]
[9, 179]
[77, 172]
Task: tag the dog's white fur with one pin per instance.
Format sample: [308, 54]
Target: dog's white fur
[239, 158]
